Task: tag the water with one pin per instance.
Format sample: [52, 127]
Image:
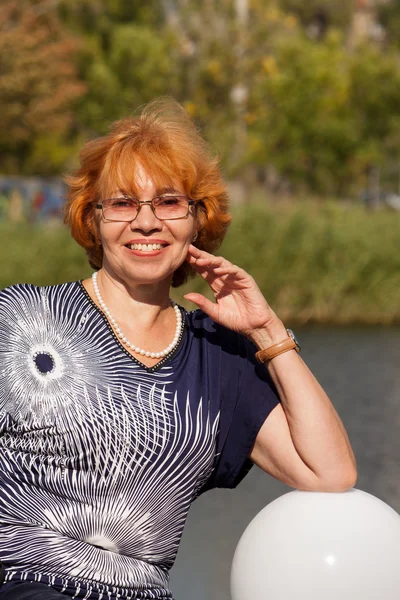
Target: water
[359, 368]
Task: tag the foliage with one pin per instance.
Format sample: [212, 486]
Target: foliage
[54, 256]
[389, 17]
[135, 69]
[375, 98]
[304, 127]
[124, 59]
[319, 15]
[38, 83]
[218, 57]
[322, 116]
[271, 96]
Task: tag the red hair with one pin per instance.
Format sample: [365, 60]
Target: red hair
[164, 140]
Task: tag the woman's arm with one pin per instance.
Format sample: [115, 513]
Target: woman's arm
[303, 441]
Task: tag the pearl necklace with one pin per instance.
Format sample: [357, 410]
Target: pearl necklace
[122, 337]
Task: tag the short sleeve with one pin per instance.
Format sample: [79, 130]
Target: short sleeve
[248, 396]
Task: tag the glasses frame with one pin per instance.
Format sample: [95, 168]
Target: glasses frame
[150, 203]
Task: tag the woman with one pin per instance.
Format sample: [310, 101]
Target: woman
[118, 408]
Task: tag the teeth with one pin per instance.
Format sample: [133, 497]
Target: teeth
[145, 247]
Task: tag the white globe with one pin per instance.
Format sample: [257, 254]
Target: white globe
[320, 546]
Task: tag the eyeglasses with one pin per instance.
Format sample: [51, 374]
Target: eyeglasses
[165, 207]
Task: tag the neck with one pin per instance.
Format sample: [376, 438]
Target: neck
[149, 299]
[132, 347]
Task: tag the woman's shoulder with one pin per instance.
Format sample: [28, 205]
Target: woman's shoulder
[28, 292]
[199, 321]
[203, 327]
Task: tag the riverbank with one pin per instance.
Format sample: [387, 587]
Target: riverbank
[327, 263]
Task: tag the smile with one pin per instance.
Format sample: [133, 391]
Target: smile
[145, 247]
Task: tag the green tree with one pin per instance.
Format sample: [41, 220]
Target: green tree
[135, 69]
[125, 58]
[303, 125]
[323, 115]
[219, 53]
[375, 100]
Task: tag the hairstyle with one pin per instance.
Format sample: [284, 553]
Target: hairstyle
[164, 140]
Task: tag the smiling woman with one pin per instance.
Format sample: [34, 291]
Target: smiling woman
[117, 407]
[165, 143]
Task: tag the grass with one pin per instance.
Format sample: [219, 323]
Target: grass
[315, 263]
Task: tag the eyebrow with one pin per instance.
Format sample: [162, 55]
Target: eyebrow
[160, 192]
[168, 190]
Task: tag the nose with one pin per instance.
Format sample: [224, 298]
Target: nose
[146, 219]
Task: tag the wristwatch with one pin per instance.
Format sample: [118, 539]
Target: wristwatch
[290, 343]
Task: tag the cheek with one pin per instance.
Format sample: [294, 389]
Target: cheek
[108, 235]
[185, 234]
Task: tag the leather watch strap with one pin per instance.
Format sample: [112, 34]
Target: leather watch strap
[264, 356]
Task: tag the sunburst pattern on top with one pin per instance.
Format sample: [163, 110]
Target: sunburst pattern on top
[97, 455]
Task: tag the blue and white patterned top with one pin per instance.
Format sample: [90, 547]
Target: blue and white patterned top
[100, 456]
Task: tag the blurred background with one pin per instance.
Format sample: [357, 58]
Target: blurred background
[301, 101]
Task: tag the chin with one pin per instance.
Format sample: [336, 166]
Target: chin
[149, 276]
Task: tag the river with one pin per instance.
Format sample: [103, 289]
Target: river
[360, 370]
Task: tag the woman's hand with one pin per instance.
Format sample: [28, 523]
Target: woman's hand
[239, 304]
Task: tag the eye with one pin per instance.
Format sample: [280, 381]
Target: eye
[122, 202]
[169, 200]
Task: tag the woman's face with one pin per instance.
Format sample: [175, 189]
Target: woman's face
[140, 265]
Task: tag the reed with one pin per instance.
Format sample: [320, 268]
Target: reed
[315, 263]
[328, 263]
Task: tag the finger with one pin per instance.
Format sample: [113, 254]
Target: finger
[210, 308]
[229, 273]
[228, 269]
[202, 257]
[203, 270]
[210, 262]
[194, 251]
[206, 274]
[220, 275]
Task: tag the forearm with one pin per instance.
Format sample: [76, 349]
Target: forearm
[303, 441]
[317, 433]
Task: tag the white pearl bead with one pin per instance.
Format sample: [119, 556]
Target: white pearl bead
[122, 337]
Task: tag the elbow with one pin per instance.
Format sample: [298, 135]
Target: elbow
[338, 480]
[350, 480]
[341, 481]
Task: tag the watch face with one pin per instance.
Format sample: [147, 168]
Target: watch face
[291, 334]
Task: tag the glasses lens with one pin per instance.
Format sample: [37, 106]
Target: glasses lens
[171, 207]
[120, 209]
